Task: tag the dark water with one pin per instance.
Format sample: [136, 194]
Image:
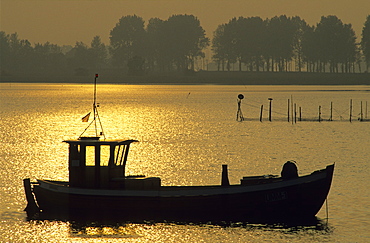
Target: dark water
[186, 133]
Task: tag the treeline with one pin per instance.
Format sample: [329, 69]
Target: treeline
[178, 44]
[20, 57]
[281, 42]
[160, 46]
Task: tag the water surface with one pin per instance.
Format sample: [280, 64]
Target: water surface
[186, 133]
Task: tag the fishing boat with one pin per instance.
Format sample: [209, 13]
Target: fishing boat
[101, 188]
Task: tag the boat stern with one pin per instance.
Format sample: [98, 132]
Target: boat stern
[32, 208]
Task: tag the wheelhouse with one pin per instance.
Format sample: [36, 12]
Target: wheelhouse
[95, 163]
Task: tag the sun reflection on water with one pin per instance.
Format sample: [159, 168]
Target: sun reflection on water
[186, 133]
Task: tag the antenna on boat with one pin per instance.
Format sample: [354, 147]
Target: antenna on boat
[96, 116]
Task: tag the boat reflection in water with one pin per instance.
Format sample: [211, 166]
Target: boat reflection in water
[110, 229]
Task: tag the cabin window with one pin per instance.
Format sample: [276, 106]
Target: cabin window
[104, 155]
[90, 156]
[120, 154]
[74, 155]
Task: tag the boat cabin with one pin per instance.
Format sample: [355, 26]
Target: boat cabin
[95, 163]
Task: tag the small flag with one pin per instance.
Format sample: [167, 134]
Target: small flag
[86, 118]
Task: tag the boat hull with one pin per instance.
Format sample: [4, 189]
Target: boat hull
[282, 199]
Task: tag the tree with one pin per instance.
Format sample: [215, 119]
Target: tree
[280, 38]
[310, 53]
[236, 41]
[253, 31]
[19, 56]
[258, 43]
[98, 52]
[48, 57]
[79, 58]
[4, 51]
[127, 39]
[82, 58]
[336, 44]
[18, 53]
[136, 66]
[301, 27]
[185, 40]
[365, 42]
[349, 54]
[225, 44]
[156, 45]
[326, 32]
[219, 47]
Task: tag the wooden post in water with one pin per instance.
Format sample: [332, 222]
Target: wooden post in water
[350, 110]
[319, 113]
[288, 109]
[239, 114]
[361, 114]
[295, 113]
[270, 108]
[331, 111]
[261, 113]
[291, 100]
[300, 113]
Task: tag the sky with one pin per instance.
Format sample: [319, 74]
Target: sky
[64, 22]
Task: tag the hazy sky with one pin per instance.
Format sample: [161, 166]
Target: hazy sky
[64, 22]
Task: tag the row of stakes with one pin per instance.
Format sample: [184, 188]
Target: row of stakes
[293, 117]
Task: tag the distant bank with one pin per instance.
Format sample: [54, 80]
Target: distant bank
[204, 77]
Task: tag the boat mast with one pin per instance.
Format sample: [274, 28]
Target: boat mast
[94, 105]
[96, 115]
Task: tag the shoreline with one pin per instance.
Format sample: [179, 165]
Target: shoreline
[202, 77]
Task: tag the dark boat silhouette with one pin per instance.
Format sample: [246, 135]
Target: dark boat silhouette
[103, 190]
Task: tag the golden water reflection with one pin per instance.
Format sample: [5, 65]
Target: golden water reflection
[126, 231]
[206, 232]
[184, 139]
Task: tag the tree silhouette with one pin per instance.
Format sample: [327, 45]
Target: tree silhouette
[5, 52]
[281, 34]
[17, 53]
[278, 44]
[232, 42]
[301, 27]
[127, 39]
[349, 54]
[219, 47]
[336, 43]
[156, 46]
[241, 40]
[310, 54]
[185, 40]
[365, 42]
[253, 31]
[79, 59]
[82, 58]
[273, 44]
[98, 52]
[48, 57]
[136, 66]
